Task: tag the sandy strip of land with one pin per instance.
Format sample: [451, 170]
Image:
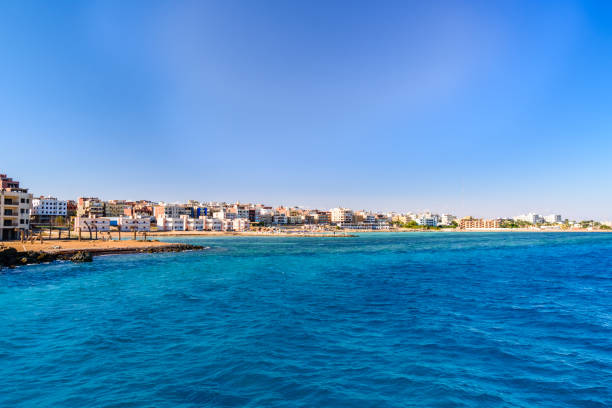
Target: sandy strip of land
[55, 246]
[155, 234]
[289, 233]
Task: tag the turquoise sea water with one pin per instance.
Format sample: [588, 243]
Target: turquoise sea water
[381, 320]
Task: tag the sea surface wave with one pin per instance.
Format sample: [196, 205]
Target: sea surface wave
[380, 320]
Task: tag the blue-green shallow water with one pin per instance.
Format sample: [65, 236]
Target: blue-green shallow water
[382, 320]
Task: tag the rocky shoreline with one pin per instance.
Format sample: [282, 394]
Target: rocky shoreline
[11, 257]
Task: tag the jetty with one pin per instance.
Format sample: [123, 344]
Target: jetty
[16, 253]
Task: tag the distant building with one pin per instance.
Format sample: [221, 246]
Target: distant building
[7, 182]
[447, 219]
[192, 224]
[93, 224]
[478, 223]
[134, 224]
[172, 210]
[90, 207]
[427, 220]
[115, 208]
[15, 209]
[530, 218]
[71, 208]
[212, 224]
[46, 209]
[165, 223]
[341, 215]
[375, 221]
[401, 218]
[241, 224]
[280, 219]
[553, 218]
[226, 214]
[242, 212]
[295, 219]
[264, 215]
[138, 210]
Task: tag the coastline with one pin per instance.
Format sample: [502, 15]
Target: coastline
[295, 232]
[152, 236]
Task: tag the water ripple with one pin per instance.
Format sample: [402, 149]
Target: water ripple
[382, 320]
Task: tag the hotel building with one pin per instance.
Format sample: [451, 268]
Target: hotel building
[46, 209]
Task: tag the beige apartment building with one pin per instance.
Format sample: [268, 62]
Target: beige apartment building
[341, 215]
[90, 207]
[15, 209]
[478, 223]
[115, 208]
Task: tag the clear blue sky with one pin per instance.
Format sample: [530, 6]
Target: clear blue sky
[483, 108]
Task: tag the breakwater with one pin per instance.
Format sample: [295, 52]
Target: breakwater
[11, 257]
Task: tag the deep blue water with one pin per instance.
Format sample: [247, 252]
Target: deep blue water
[381, 320]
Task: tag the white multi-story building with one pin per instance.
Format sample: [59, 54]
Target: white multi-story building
[531, 218]
[376, 222]
[280, 219]
[170, 223]
[134, 224]
[447, 219]
[341, 215]
[15, 209]
[228, 225]
[192, 224]
[93, 224]
[553, 218]
[241, 224]
[427, 219]
[212, 224]
[226, 215]
[45, 209]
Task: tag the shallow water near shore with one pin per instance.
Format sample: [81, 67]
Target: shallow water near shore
[380, 320]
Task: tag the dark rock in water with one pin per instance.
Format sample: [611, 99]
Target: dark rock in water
[8, 256]
[44, 257]
[82, 257]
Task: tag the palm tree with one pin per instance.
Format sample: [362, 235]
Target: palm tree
[89, 229]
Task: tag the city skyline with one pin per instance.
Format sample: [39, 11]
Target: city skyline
[481, 109]
[48, 207]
